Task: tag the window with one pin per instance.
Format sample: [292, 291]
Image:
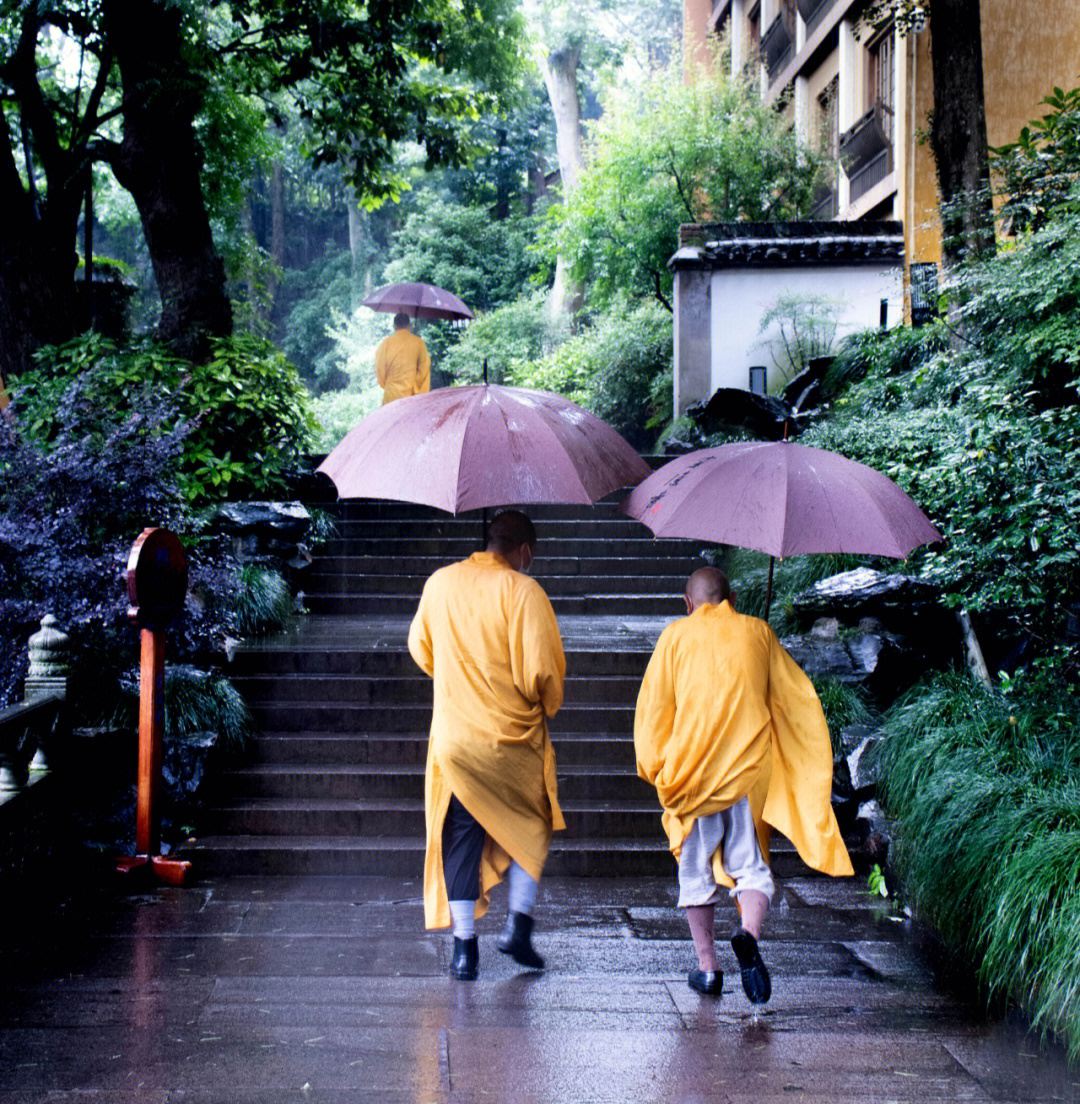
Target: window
[880, 79]
[829, 119]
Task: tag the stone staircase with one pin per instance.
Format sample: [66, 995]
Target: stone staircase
[335, 782]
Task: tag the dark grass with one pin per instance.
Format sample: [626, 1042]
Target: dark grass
[986, 789]
[263, 602]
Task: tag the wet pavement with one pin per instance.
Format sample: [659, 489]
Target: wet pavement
[328, 990]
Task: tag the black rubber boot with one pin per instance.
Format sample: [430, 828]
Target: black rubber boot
[709, 982]
[466, 957]
[755, 977]
[516, 941]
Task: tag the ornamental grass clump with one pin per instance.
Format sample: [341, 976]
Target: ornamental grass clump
[263, 601]
[985, 786]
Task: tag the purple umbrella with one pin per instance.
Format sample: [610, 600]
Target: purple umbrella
[419, 300]
[782, 499]
[465, 448]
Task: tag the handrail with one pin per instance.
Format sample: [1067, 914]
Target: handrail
[26, 735]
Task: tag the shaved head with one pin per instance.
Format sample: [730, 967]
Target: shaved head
[510, 529]
[707, 586]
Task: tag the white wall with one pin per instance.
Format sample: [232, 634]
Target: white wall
[741, 296]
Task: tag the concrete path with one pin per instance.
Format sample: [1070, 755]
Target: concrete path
[260, 990]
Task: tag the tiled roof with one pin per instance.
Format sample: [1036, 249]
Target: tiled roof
[769, 244]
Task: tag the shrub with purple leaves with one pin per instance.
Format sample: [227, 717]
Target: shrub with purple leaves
[68, 517]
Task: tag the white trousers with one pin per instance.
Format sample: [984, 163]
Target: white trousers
[732, 831]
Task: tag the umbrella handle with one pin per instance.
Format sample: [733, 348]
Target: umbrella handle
[768, 589]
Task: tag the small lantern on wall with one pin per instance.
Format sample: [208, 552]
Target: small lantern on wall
[758, 381]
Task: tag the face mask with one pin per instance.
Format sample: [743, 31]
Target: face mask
[526, 568]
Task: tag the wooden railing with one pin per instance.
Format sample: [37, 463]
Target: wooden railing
[28, 733]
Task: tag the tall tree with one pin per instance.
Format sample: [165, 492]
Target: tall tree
[364, 77]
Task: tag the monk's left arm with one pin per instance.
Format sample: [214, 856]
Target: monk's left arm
[654, 719]
[420, 641]
[423, 371]
[537, 659]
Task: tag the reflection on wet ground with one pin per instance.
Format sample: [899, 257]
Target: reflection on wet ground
[327, 989]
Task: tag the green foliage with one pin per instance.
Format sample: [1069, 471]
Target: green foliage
[796, 329]
[263, 602]
[484, 261]
[247, 412]
[749, 575]
[612, 367]
[984, 786]
[511, 338]
[666, 152]
[844, 704]
[197, 701]
[1037, 172]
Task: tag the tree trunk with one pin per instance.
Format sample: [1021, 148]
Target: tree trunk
[560, 77]
[158, 162]
[958, 130]
[37, 269]
[277, 234]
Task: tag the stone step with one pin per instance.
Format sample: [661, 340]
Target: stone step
[301, 781]
[283, 658]
[626, 605]
[556, 586]
[413, 689]
[403, 856]
[314, 748]
[458, 548]
[405, 817]
[545, 567]
[348, 717]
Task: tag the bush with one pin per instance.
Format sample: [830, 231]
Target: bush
[247, 414]
[263, 602]
[617, 367]
[510, 338]
[68, 517]
[984, 787]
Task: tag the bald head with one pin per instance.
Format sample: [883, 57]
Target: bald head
[707, 586]
[509, 531]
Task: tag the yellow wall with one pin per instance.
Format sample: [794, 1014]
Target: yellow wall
[696, 52]
[1028, 48]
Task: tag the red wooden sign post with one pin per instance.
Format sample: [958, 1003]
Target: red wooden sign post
[156, 585]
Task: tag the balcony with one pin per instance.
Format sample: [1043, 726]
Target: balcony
[825, 203]
[866, 150]
[777, 45]
[813, 13]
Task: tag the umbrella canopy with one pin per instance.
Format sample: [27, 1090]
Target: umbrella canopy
[419, 300]
[465, 448]
[782, 499]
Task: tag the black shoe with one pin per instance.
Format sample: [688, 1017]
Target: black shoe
[516, 941]
[466, 956]
[709, 982]
[755, 977]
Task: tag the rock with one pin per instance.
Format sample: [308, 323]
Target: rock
[804, 390]
[880, 661]
[184, 765]
[283, 521]
[902, 603]
[862, 766]
[826, 628]
[841, 779]
[874, 832]
[853, 735]
[733, 408]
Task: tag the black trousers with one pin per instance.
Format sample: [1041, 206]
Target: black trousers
[462, 845]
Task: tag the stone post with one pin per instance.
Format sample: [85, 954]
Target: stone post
[50, 651]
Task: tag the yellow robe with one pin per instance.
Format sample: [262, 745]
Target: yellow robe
[725, 713]
[487, 635]
[402, 366]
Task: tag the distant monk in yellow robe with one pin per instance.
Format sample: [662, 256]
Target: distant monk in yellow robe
[731, 733]
[402, 364]
[487, 635]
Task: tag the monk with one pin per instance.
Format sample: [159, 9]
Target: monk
[402, 364]
[731, 733]
[487, 635]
